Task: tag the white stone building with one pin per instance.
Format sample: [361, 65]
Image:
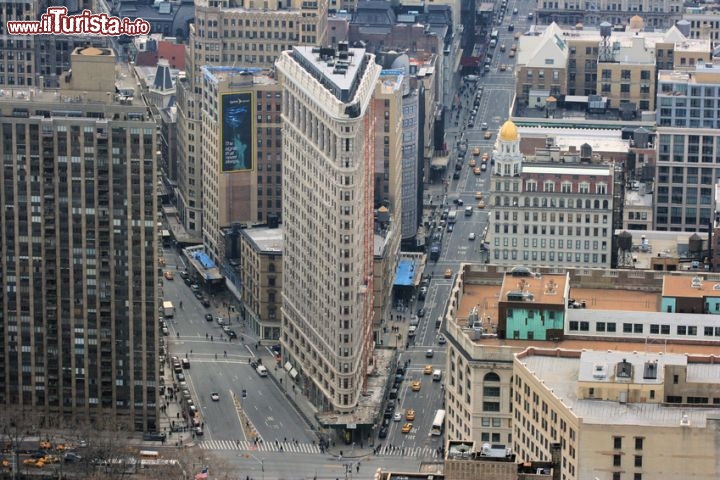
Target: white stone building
[327, 197]
[548, 214]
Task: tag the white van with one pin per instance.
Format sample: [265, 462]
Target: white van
[262, 371]
[411, 331]
[437, 375]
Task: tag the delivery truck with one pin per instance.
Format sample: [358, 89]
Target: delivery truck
[168, 309]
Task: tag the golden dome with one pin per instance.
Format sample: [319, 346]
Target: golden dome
[509, 132]
[637, 23]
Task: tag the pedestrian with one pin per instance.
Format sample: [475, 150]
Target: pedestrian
[207, 335]
[211, 338]
[216, 356]
[180, 303]
[178, 334]
[358, 467]
[225, 353]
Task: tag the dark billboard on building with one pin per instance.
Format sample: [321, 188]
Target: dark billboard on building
[236, 132]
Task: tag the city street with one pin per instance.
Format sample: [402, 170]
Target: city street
[288, 448]
[223, 366]
[494, 108]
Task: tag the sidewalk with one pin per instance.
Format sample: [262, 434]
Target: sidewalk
[170, 420]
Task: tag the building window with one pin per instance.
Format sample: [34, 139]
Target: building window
[639, 442]
[491, 406]
[617, 443]
[638, 461]
[617, 460]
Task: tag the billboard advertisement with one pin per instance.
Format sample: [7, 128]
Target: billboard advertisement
[237, 129]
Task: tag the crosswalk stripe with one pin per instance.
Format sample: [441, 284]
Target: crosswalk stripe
[261, 447]
[386, 451]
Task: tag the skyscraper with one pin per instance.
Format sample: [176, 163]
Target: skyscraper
[239, 34]
[78, 334]
[328, 168]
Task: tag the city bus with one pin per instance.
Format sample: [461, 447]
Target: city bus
[438, 423]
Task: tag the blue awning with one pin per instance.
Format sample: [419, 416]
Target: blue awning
[405, 273]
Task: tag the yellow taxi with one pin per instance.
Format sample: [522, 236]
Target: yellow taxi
[485, 157]
[476, 151]
[503, 67]
[478, 195]
[51, 459]
[169, 275]
[161, 261]
[477, 171]
[410, 415]
[416, 386]
[481, 204]
[406, 428]
[517, 35]
[428, 370]
[472, 162]
[513, 48]
[487, 135]
[45, 445]
[448, 273]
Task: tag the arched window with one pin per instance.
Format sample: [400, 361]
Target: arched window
[271, 267]
[578, 204]
[536, 202]
[597, 204]
[605, 204]
[527, 201]
[491, 377]
[588, 203]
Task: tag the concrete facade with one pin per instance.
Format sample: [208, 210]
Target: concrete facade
[609, 411]
[328, 161]
[546, 213]
[80, 261]
[244, 196]
[242, 34]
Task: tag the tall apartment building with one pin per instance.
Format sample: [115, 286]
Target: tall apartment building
[658, 13]
[79, 335]
[411, 172]
[17, 53]
[387, 108]
[240, 149]
[237, 33]
[328, 161]
[687, 148]
[548, 213]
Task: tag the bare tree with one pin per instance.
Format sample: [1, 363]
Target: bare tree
[18, 428]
